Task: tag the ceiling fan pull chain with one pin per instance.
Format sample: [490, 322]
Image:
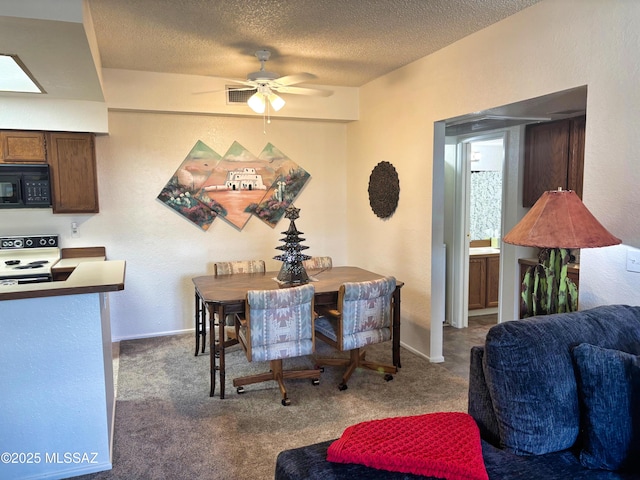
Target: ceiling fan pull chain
[264, 124]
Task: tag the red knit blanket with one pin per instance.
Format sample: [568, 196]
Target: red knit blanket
[444, 445]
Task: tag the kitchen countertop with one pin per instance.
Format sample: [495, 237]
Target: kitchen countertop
[483, 251]
[72, 263]
[92, 275]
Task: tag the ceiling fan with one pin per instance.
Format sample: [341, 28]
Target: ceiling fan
[267, 84]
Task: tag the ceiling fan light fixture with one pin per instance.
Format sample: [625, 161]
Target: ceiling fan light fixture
[276, 101]
[257, 102]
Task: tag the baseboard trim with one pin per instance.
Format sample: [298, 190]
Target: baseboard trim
[155, 334]
[422, 355]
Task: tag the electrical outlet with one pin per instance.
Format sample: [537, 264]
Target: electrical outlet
[74, 230]
[633, 260]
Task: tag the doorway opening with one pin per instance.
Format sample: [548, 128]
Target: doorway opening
[476, 165]
[449, 302]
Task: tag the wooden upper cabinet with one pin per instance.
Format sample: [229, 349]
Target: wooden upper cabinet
[74, 176]
[576, 155]
[554, 157]
[22, 147]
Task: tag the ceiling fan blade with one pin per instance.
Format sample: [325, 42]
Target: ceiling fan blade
[315, 92]
[295, 78]
[209, 91]
[249, 83]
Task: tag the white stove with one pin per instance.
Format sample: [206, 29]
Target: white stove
[28, 259]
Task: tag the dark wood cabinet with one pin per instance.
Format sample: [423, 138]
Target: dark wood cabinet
[74, 179]
[22, 147]
[477, 282]
[493, 281]
[554, 157]
[484, 281]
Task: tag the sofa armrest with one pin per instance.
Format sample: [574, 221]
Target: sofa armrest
[480, 406]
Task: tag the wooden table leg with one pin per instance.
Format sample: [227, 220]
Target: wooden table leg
[396, 328]
[221, 346]
[198, 319]
[212, 353]
[203, 324]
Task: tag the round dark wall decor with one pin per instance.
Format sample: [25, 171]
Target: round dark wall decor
[384, 189]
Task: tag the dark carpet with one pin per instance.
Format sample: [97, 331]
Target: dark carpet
[167, 426]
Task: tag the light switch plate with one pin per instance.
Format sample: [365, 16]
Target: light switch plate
[633, 260]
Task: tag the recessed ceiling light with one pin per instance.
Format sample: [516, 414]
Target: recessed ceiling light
[14, 76]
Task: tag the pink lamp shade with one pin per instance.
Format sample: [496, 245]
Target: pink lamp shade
[559, 219]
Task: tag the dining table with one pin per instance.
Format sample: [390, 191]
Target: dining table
[217, 296]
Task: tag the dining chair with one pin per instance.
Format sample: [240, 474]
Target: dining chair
[316, 263]
[363, 317]
[278, 325]
[225, 268]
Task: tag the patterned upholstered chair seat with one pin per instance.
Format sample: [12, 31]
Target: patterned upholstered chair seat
[363, 318]
[279, 324]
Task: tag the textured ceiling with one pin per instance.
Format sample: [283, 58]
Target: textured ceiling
[342, 42]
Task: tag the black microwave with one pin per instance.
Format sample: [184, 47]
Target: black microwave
[24, 186]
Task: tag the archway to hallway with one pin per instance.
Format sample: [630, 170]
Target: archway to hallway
[513, 117]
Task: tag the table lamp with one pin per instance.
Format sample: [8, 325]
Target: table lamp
[557, 222]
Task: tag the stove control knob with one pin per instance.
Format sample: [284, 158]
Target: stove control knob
[29, 242]
[17, 243]
[43, 241]
[52, 242]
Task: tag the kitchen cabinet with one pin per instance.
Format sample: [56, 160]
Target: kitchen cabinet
[554, 157]
[493, 281]
[22, 147]
[74, 179]
[484, 280]
[477, 282]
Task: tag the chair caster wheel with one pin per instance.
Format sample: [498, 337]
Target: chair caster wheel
[240, 390]
[342, 386]
[286, 402]
[315, 382]
[388, 377]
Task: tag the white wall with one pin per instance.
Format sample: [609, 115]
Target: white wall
[162, 92]
[552, 46]
[163, 250]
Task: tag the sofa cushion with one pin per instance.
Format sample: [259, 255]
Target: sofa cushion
[609, 391]
[443, 445]
[310, 463]
[530, 376]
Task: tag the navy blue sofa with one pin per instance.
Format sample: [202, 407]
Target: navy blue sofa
[532, 394]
